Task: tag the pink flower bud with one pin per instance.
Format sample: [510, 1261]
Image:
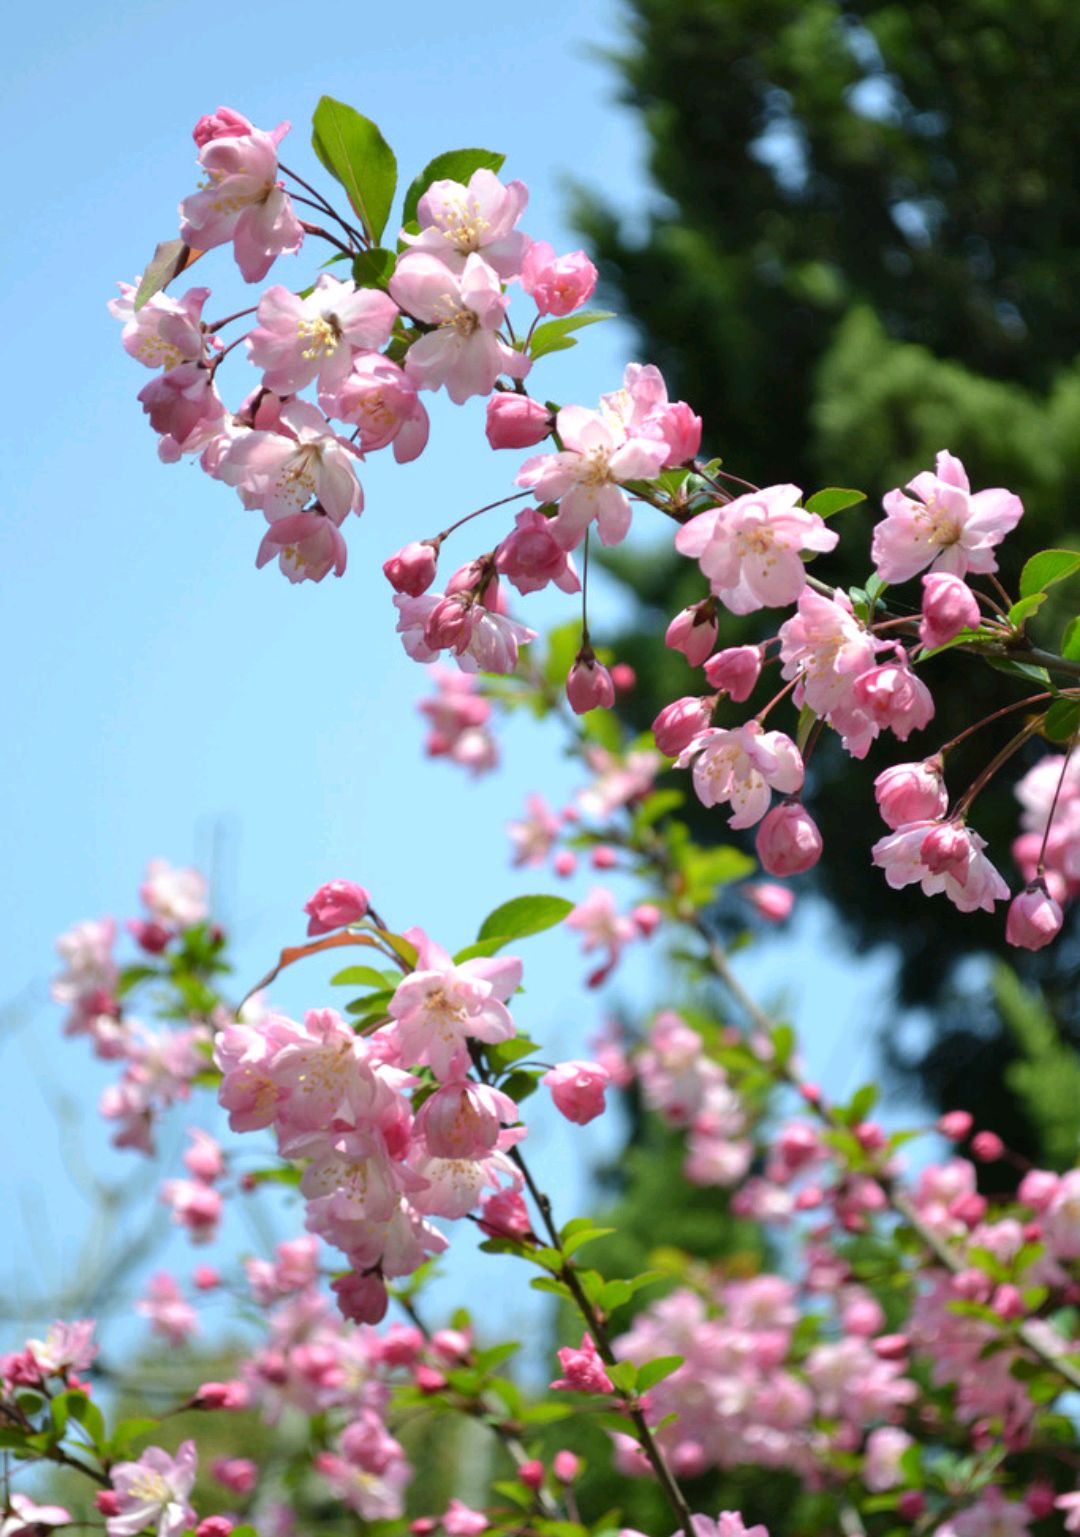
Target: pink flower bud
[412, 569]
[335, 905]
[1034, 920]
[558, 285]
[681, 721]
[584, 1369]
[624, 677]
[1007, 1302]
[603, 857]
[578, 1090]
[948, 606]
[237, 1474]
[515, 421]
[151, 937]
[532, 1473]
[911, 1504]
[1040, 1499]
[362, 1298]
[452, 1344]
[646, 918]
[769, 901]
[891, 1347]
[735, 671]
[1038, 1188]
[222, 124]
[969, 1208]
[987, 1146]
[693, 632]
[449, 625]
[505, 1215]
[428, 1380]
[206, 1278]
[214, 1526]
[788, 841]
[565, 863]
[107, 1502]
[589, 686]
[680, 428]
[955, 1124]
[911, 792]
[566, 1467]
[946, 850]
[222, 1395]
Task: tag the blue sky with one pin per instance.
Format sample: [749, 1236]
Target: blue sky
[165, 698]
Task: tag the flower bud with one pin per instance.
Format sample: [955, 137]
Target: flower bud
[557, 285]
[449, 625]
[566, 1467]
[680, 428]
[735, 671]
[911, 792]
[222, 124]
[646, 918]
[693, 632]
[336, 905]
[769, 901]
[565, 863]
[589, 686]
[412, 569]
[624, 677]
[946, 850]
[987, 1146]
[604, 857]
[151, 937]
[788, 841]
[955, 1124]
[948, 606]
[1034, 920]
[361, 1298]
[531, 1473]
[516, 421]
[681, 721]
[578, 1090]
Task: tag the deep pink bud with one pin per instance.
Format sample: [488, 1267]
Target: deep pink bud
[1038, 1188]
[222, 1395]
[412, 569]
[1035, 919]
[214, 1526]
[946, 850]
[948, 606]
[681, 431]
[681, 721]
[335, 905]
[735, 671]
[107, 1502]
[603, 857]
[566, 1467]
[911, 1504]
[589, 686]
[911, 792]
[769, 901]
[564, 863]
[624, 677]
[532, 1473]
[151, 937]
[504, 1214]
[891, 1347]
[969, 1208]
[1007, 1302]
[558, 285]
[584, 1369]
[955, 1124]
[647, 918]
[452, 1344]
[987, 1146]
[224, 123]
[449, 625]
[1040, 1499]
[363, 1298]
[515, 421]
[578, 1090]
[693, 632]
[788, 841]
[428, 1380]
[206, 1278]
[237, 1474]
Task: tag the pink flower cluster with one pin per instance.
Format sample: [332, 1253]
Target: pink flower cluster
[691, 1091]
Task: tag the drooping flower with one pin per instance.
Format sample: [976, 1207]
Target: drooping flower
[380, 399]
[941, 857]
[558, 285]
[304, 461]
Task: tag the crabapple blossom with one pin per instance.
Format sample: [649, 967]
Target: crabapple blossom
[530, 556]
[584, 1369]
[462, 1119]
[911, 792]
[335, 905]
[948, 606]
[517, 421]
[602, 929]
[242, 200]
[788, 841]
[942, 525]
[282, 471]
[481, 639]
[589, 686]
[535, 835]
[170, 1315]
[439, 1007]
[67, 1347]
[412, 570]
[770, 901]
[28, 1519]
[380, 400]
[917, 853]
[464, 352]
[165, 332]
[681, 723]
[577, 1088]
[735, 671]
[749, 549]
[584, 476]
[458, 220]
[742, 767]
[154, 1492]
[175, 897]
[557, 285]
[693, 631]
[642, 408]
[307, 546]
[1034, 918]
[298, 340]
[458, 715]
[184, 410]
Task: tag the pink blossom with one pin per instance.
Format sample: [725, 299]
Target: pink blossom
[237, 1474]
[584, 477]
[462, 1119]
[176, 897]
[195, 1205]
[558, 285]
[380, 399]
[1034, 918]
[170, 1315]
[480, 639]
[589, 686]
[884, 1449]
[728, 1524]
[233, 1395]
[307, 546]
[464, 352]
[154, 1492]
[584, 1369]
[460, 1521]
[693, 631]
[504, 1214]
[826, 648]
[184, 410]
[601, 928]
[439, 1007]
[242, 201]
[742, 766]
[769, 901]
[456, 221]
[911, 792]
[890, 697]
[948, 606]
[336, 905]
[735, 671]
[412, 570]
[67, 1347]
[374, 1496]
[577, 1089]
[28, 1519]
[458, 715]
[749, 549]
[788, 841]
[530, 557]
[298, 340]
[283, 471]
[682, 722]
[643, 409]
[536, 834]
[942, 525]
[964, 874]
[517, 421]
[362, 1298]
[1070, 1503]
[165, 332]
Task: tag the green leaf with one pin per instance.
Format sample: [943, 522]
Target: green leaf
[1046, 568]
[168, 261]
[546, 1283]
[1062, 719]
[1031, 672]
[706, 869]
[74, 1405]
[361, 976]
[623, 1375]
[453, 165]
[1070, 641]
[354, 152]
[126, 1434]
[520, 1085]
[574, 1241]
[834, 499]
[375, 268]
[655, 1371]
[554, 335]
[614, 1294]
[524, 915]
[481, 950]
[1025, 608]
[504, 1053]
[370, 1003]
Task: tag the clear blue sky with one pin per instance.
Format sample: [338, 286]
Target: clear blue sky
[162, 696]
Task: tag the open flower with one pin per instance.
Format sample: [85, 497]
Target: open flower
[943, 525]
[750, 549]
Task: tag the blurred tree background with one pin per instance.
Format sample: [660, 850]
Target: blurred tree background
[864, 246]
